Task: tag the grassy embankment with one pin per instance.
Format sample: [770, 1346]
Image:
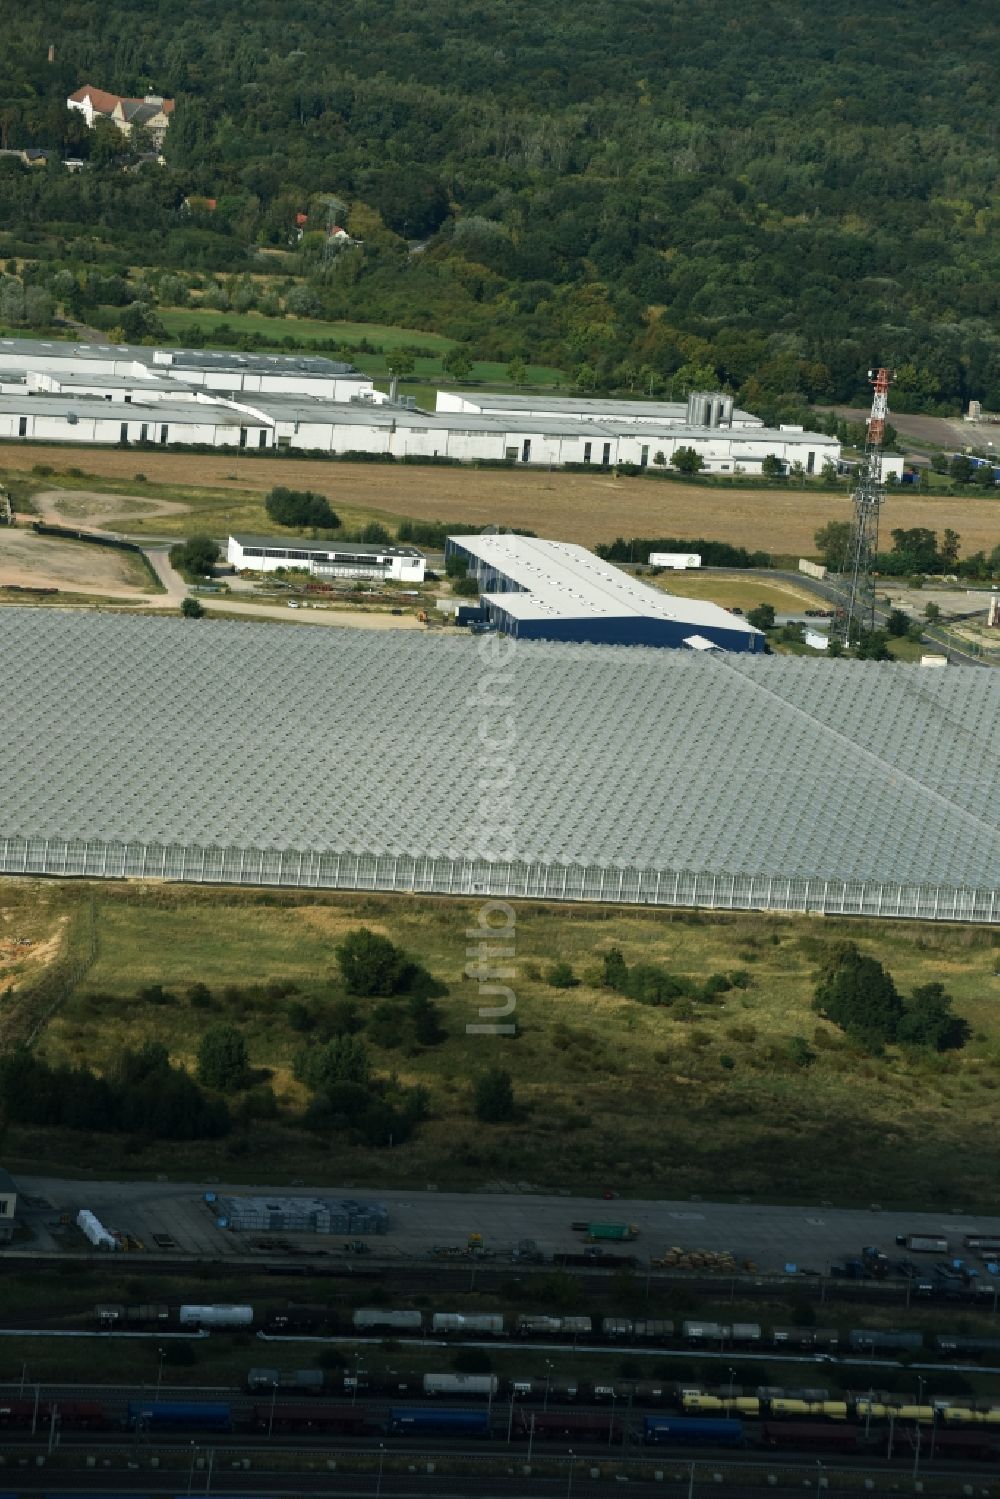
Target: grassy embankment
[428, 371]
[657, 1102]
[736, 592]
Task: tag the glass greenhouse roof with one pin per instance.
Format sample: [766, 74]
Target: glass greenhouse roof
[369, 742]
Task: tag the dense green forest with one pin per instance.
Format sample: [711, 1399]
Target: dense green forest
[648, 194]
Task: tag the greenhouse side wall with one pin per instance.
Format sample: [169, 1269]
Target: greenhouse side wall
[405, 874]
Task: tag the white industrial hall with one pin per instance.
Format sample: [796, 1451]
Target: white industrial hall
[61, 392]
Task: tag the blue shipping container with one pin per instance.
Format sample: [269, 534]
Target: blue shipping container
[702, 1431]
[417, 1420]
[191, 1415]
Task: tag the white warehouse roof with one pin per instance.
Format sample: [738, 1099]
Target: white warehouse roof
[567, 581]
[38, 350]
[304, 409]
[196, 413]
[142, 381]
[726, 436]
[597, 408]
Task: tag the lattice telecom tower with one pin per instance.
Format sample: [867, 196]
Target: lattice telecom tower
[859, 563]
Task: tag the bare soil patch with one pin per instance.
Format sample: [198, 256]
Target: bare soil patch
[29, 943]
[95, 511]
[32, 561]
[943, 430]
[359, 619]
[585, 508]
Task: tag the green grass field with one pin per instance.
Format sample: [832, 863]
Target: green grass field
[175, 319]
[610, 1092]
[215, 512]
[385, 339]
[910, 651]
[740, 593]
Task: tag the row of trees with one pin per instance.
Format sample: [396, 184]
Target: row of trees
[712, 553]
[140, 1094]
[916, 551]
[25, 307]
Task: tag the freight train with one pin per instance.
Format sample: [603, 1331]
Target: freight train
[72, 1415]
[693, 1333]
[764, 1402]
[856, 1439]
[158, 1314]
[861, 1424]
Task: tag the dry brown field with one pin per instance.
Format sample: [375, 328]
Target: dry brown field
[585, 508]
[31, 561]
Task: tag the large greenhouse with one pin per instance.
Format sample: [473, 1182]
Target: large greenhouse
[346, 759]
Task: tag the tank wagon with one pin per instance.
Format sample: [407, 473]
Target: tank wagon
[215, 1316]
[437, 1421]
[180, 1415]
[373, 1318]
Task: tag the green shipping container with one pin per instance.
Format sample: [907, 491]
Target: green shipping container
[612, 1231]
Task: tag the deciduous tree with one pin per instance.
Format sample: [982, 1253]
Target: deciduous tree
[493, 1096]
[222, 1058]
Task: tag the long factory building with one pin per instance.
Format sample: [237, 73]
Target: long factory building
[114, 394]
[491, 768]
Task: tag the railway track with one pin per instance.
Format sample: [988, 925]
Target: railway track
[210, 1465]
[416, 1274]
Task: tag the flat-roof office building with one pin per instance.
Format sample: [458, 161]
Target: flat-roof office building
[326, 559]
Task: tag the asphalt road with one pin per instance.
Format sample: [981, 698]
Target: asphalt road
[772, 1237]
[830, 594]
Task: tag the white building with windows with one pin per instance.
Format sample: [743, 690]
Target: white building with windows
[54, 391]
[551, 442]
[610, 432]
[126, 388]
[77, 419]
[327, 559]
[219, 371]
[224, 372]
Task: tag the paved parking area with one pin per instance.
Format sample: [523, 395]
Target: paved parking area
[771, 1237]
